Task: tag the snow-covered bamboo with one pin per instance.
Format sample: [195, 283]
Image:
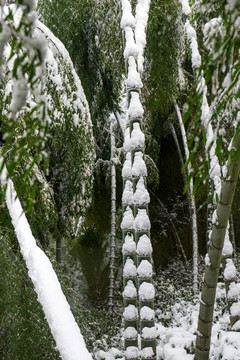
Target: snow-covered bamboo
[215, 255]
[136, 224]
[65, 331]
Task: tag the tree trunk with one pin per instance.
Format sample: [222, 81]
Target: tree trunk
[215, 256]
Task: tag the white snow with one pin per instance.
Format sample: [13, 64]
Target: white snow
[130, 312]
[235, 309]
[147, 353]
[129, 269]
[127, 196]
[142, 11]
[227, 246]
[146, 291]
[230, 270]
[146, 313]
[130, 333]
[127, 167]
[185, 7]
[19, 94]
[192, 38]
[133, 80]
[144, 246]
[30, 3]
[137, 137]
[64, 329]
[207, 260]
[236, 327]
[131, 352]
[129, 246]
[135, 110]
[149, 332]
[127, 142]
[131, 49]
[141, 195]
[127, 19]
[234, 291]
[4, 36]
[139, 167]
[130, 290]
[142, 222]
[214, 217]
[144, 269]
[128, 219]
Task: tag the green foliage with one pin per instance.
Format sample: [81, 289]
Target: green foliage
[23, 328]
[163, 55]
[24, 331]
[24, 119]
[91, 32]
[72, 151]
[220, 64]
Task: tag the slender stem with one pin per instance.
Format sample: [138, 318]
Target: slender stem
[191, 202]
[215, 256]
[113, 223]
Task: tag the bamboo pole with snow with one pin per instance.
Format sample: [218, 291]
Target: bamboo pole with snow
[113, 216]
[215, 170]
[191, 201]
[136, 223]
[64, 329]
[221, 218]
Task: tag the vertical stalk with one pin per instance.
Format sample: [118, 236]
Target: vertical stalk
[215, 256]
[113, 221]
[191, 202]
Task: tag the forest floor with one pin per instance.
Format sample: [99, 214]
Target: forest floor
[176, 321]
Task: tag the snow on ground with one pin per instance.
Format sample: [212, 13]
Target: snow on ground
[176, 325]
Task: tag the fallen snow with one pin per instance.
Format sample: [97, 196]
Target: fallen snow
[142, 222]
[185, 7]
[135, 110]
[146, 313]
[133, 80]
[131, 352]
[127, 196]
[128, 220]
[137, 137]
[234, 291]
[192, 38]
[144, 246]
[146, 291]
[129, 269]
[141, 195]
[130, 312]
[130, 333]
[127, 167]
[127, 19]
[149, 332]
[130, 290]
[147, 353]
[230, 270]
[129, 245]
[131, 49]
[139, 167]
[145, 270]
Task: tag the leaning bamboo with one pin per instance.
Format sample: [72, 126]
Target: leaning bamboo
[215, 256]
